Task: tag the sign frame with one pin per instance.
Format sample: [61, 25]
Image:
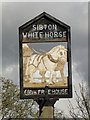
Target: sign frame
[24, 27]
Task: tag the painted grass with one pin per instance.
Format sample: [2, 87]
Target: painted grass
[58, 84]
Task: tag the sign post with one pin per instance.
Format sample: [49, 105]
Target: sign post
[45, 60]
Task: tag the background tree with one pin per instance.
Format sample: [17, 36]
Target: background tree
[59, 114]
[12, 106]
[82, 104]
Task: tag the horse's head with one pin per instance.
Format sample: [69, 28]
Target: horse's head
[59, 52]
[62, 53]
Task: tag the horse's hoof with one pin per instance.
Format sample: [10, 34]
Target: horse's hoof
[64, 83]
[28, 81]
[51, 83]
[45, 81]
[42, 82]
[54, 82]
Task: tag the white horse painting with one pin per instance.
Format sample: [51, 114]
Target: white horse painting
[52, 61]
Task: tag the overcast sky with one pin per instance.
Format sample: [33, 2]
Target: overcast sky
[16, 14]
[73, 14]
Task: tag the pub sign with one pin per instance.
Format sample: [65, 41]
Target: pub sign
[45, 58]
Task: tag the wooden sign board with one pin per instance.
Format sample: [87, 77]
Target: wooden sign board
[45, 58]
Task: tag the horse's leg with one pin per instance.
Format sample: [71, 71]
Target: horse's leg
[25, 69]
[28, 71]
[50, 79]
[52, 76]
[42, 73]
[62, 75]
[32, 70]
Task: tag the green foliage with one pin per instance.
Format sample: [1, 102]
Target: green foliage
[12, 106]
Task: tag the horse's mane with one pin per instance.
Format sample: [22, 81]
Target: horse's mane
[57, 47]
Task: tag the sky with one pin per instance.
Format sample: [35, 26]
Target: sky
[74, 14]
[13, 16]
